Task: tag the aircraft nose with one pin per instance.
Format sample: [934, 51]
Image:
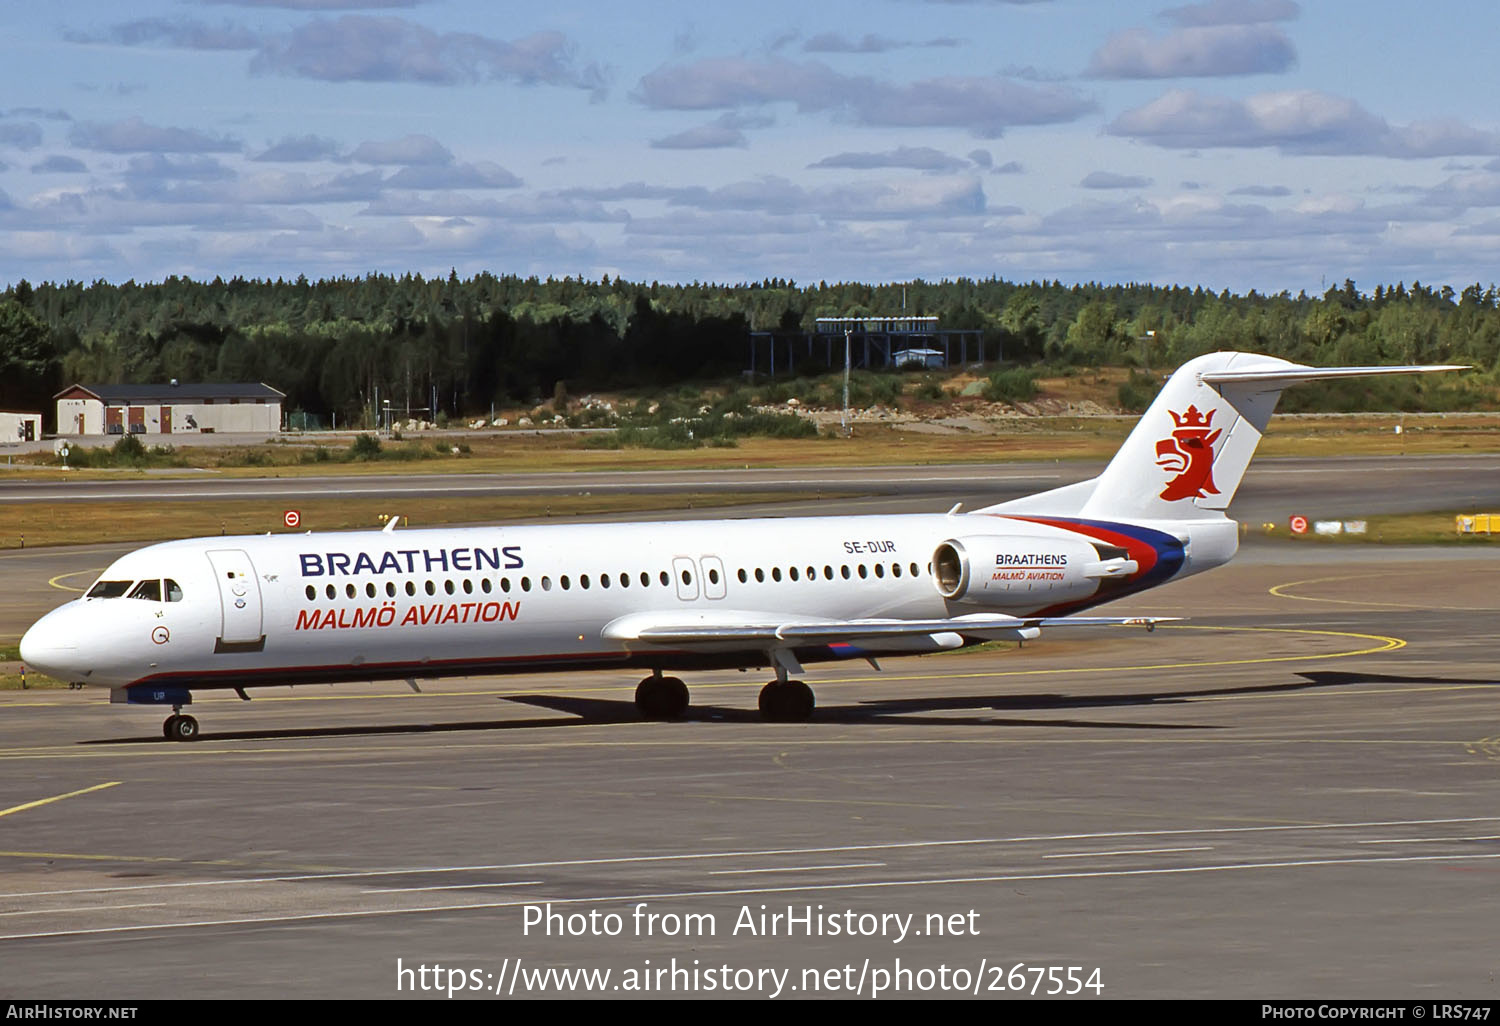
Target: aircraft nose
[50, 646]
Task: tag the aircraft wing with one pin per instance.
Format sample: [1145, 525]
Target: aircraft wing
[760, 629]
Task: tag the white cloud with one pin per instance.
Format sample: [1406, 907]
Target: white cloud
[983, 105]
[1110, 180]
[300, 149]
[134, 135]
[727, 130]
[919, 158]
[1194, 53]
[410, 150]
[1233, 12]
[1299, 122]
[363, 48]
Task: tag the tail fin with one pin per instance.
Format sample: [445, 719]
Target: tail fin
[1190, 450]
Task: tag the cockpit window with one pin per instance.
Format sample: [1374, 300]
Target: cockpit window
[174, 590]
[148, 590]
[109, 589]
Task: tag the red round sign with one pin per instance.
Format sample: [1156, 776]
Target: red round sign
[1298, 525]
[292, 518]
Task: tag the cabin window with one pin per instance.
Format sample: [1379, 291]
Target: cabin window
[484, 585]
[505, 584]
[665, 580]
[879, 569]
[844, 570]
[812, 573]
[349, 590]
[583, 581]
[329, 591]
[760, 576]
[645, 579]
[370, 590]
[563, 580]
[776, 573]
[863, 571]
[546, 583]
[687, 577]
[604, 580]
[827, 573]
[448, 586]
[624, 580]
[713, 576]
[526, 584]
[148, 590]
[792, 573]
[312, 593]
[468, 586]
[742, 575]
[915, 570]
[109, 589]
[431, 588]
[390, 589]
[895, 569]
[411, 587]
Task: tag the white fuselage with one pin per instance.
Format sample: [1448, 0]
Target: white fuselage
[304, 608]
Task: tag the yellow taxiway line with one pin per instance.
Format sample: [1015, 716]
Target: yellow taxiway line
[56, 798]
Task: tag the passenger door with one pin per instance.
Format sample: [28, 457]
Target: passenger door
[239, 597]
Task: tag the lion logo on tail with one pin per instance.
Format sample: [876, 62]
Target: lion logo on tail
[1189, 453]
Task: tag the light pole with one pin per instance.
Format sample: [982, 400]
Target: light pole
[844, 418]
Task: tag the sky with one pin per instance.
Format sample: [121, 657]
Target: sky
[1241, 144]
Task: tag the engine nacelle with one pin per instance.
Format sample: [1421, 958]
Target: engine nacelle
[1000, 571]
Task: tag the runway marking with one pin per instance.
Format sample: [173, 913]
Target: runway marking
[85, 908]
[1432, 840]
[1125, 851]
[72, 573]
[761, 853]
[452, 887]
[816, 801]
[734, 892]
[792, 869]
[56, 798]
[1279, 592]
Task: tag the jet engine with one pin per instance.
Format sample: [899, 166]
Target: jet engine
[1001, 571]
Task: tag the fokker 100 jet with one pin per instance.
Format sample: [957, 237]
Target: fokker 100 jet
[241, 612]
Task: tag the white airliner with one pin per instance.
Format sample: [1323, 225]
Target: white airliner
[241, 612]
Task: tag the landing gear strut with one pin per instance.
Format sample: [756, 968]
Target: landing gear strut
[661, 698]
[179, 727]
[786, 701]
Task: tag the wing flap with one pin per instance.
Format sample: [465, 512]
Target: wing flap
[758, 631]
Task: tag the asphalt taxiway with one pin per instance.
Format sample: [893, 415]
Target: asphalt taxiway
[1295, 793]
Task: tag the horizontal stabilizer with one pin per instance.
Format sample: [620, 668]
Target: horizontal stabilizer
[1283, 377]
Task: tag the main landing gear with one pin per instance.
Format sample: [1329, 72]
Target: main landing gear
[179, 727]
[781, 701]
[661, 698]
[786, 701]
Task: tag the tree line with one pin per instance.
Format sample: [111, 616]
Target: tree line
[333, 345]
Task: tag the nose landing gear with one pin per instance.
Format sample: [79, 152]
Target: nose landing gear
[180, 727]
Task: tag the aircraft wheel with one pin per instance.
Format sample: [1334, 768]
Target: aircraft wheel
[661, 698]
[787, 702]
[167, 725]
[182, 728]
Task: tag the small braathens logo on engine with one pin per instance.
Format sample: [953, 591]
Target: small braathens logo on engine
[1189, 453]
